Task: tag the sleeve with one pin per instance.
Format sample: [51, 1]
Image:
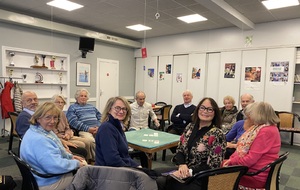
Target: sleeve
[216, 146]
[73, 120]
[22, 125]
[180, 151]
[262, 144]
[230, 136]
[50, 159]
[107, 137]
[152, 114]
[98, 114]
[174, 119]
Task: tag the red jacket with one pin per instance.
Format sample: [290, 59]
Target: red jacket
[6, 101]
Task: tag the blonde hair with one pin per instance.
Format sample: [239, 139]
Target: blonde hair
[109, 106]
[230, 98]
[54, 97]
[42, 110]
[262, 113]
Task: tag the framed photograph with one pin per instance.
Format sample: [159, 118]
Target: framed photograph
[83, 74]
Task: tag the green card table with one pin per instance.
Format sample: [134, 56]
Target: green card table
[151, 141]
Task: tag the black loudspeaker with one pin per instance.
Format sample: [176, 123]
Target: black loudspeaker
[86, 45]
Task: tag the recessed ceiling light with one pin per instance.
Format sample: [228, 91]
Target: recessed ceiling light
[65, 4]
[192, 18]
[276, 4]
[139, 27]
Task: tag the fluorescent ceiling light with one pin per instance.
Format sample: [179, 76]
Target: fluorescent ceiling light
[276, 4]
[192, 18]
[64, 4]
[139, 27]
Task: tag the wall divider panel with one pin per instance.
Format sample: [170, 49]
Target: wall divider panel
[229, 79]
[196, 82]
[253, 73]
[212, 79]
[150, 79]
[164, 82]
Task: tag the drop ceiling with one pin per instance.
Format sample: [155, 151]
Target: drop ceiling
[112, 16]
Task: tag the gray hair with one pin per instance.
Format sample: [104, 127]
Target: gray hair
[78, 92]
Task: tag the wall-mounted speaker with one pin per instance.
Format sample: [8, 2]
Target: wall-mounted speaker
[86, 45]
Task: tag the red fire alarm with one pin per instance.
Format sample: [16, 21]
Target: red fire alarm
[144, 52]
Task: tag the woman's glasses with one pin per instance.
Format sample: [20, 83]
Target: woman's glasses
[118, 109]
[209, 109]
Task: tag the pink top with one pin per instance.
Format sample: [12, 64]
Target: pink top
[264, 149]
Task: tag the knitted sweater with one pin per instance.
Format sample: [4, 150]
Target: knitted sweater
[82, 117]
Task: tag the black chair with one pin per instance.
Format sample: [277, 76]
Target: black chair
[158, 112]
[273, 178]
[13, 133]
[226, 178]
[29, 182]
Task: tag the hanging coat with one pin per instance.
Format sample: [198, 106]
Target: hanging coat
[6, 102]
[17, 97]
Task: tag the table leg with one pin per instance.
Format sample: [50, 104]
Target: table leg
[149, 156]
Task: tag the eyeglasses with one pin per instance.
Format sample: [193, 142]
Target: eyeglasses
[30, 100]
[118, 109]
[209, 109]
[50, 117]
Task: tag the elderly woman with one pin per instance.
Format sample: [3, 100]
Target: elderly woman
[228, 113]
[65, 133]
[259, 145]
[201, 147]
[43, 150]
[111, 143]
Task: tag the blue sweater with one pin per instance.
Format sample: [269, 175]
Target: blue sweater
[236, 131]
[43, 154]
[82, 117]
[112, 146]
[22, 123]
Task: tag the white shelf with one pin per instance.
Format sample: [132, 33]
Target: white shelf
[30, 83]
[35, 69]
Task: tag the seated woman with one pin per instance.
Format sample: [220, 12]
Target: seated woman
[111, 143]
[43, 150]
[259, 145]
[201, 147]
[228, 113]
[65, 133]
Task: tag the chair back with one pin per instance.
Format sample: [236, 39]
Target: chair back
[28, 182]
[13, 133]
[274, 173]
[287, 119]
[165, 111]
[272, 182]
[160, 104]
[226, 178]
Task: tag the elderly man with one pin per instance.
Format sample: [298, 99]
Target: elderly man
[29, 102]
[245, 100]
[182, 114]
[84, 117]
[140, 112]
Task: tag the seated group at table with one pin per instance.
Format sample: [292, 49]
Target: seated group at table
[202, 142]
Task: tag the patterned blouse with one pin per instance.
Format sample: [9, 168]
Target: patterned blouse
[201, 149]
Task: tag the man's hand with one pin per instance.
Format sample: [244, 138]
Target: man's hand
[93, 130]
[156, 123]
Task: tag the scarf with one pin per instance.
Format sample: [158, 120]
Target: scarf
[51, 135]
[247, 138]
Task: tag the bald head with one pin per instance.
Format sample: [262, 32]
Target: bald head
[140, 98]
[187, 96]
[246, 99]
[29, 100]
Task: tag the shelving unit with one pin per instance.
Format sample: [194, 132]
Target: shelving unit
[45, 81]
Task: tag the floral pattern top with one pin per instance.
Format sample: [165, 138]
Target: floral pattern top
[205, 149]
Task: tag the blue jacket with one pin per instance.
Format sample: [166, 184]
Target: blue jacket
[44, 155]
[236, 131]
[112, 146]
[22, 123]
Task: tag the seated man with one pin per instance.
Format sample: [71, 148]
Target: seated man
[140, 112]
[29, 102]
[182, 114]
[245, 100]
[84, 117]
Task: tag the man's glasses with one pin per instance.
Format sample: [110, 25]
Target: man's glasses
[50, 117]
[30, 100]
[209, 109]
[118, 109]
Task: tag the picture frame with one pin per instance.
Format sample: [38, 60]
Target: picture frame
[83, 74]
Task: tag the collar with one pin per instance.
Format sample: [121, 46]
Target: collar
[29, 111]
[187, 105]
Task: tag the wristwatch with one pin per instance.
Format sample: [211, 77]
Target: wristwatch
[191, 172]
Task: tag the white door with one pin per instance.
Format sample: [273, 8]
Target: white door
[107, 81]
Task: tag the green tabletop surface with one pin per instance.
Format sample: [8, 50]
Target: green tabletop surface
[150, 138]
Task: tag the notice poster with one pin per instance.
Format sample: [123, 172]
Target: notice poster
[279, 72]
[229, 71]
[252, 78]
[196, 72]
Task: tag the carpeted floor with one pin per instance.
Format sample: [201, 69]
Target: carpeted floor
[290, 172]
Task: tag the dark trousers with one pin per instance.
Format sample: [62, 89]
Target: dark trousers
[78, 151]
[228, 152]
[141, 155]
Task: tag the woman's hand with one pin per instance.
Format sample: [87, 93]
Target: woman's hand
[226, 163]
[66, 137]
[231, 145]
[183, 171]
